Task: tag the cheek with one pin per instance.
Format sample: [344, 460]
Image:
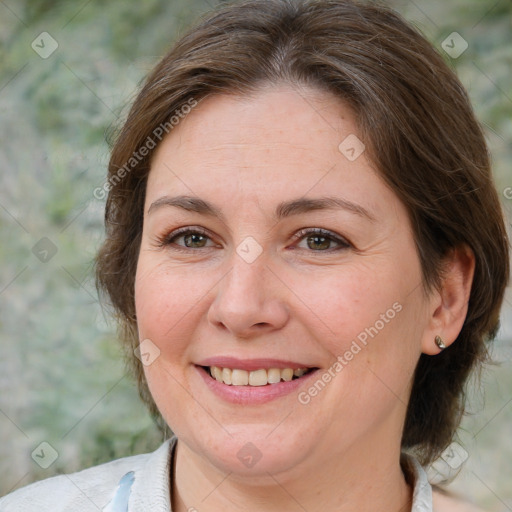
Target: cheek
[344, 303]
[371, 318]
[165, 297]
[167, 302]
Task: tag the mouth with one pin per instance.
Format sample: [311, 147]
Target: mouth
[255, 378]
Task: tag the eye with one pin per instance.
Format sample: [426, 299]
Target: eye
[316, 239]
[195, 238]
[320, 240]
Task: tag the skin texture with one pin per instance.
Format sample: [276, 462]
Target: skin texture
[299, 300]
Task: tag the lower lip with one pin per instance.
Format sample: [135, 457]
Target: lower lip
[252, 395]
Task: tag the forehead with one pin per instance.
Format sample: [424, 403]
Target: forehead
[280, 141]
[274, 119]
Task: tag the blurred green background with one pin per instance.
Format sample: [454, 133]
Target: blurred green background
[62, 379]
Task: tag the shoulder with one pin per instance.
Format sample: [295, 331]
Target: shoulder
[443, 501]
[432, 497]
[87, 490]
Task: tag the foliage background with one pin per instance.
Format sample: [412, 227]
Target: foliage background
[62, 379]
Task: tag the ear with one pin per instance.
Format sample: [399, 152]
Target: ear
[449, 305]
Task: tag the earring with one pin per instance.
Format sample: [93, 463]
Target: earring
[439, 342]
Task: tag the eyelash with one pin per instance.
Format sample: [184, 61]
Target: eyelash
[168, 240]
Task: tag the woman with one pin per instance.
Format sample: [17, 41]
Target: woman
[307, 256]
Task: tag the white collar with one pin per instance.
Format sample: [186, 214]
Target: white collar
[422, 490]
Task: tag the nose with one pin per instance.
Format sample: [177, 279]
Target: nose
[249, 300]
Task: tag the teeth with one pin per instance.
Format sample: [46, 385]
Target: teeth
[239, 378]
[226, 375]
[235, 377]
[217, 373]
[287, 374]
[258, 378]
[273, 375]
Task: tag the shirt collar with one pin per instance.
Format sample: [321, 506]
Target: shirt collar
[422, 490]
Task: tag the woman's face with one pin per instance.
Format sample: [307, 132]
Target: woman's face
[251, 287]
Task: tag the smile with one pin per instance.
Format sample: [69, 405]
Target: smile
[261, 377]
[253, 381]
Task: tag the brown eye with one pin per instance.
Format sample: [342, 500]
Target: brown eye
[187, 239]
[318, 242]
[321, 240]
[194, 240]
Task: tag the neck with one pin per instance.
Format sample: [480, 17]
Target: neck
[354, 482]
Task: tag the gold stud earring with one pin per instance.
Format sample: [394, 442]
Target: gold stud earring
[440, 343]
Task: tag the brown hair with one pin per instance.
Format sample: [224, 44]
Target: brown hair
[410, 109]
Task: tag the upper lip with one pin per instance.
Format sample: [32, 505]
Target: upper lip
[251, 364]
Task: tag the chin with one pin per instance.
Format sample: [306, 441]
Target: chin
[249, 450]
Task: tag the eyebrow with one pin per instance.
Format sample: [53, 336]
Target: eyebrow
[283, 210]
